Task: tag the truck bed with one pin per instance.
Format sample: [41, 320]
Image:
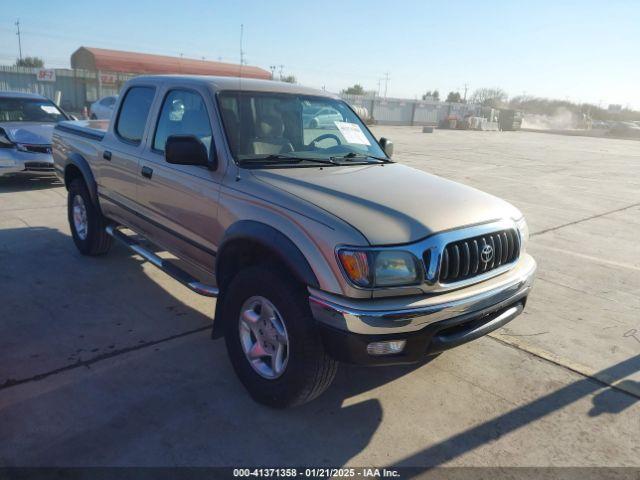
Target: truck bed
[94, 129]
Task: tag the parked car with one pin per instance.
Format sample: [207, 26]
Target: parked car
[321, 117]
[322, 248]
[26, 126]
[103, 108]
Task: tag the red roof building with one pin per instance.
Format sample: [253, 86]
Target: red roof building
[99, 59]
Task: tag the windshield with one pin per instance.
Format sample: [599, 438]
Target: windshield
[275, 128]
[29, 110]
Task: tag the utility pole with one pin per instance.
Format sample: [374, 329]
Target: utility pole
[281, 69]
[379, 83]
[386, 83]
[466, 87]
[19, 39]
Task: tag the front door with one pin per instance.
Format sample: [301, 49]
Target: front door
[181, 201]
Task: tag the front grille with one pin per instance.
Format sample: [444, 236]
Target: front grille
[37, 148]
[465, 258]
[38, 166]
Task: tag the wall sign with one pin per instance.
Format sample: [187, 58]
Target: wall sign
[46, 75]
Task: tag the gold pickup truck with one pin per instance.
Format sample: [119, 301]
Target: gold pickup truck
[320, 247]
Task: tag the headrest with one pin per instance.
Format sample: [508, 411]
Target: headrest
[270, 126]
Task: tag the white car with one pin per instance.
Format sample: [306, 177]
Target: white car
[103, 108]
[26, 126]
[323, 117]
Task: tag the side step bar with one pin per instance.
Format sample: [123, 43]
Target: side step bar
[167, 267]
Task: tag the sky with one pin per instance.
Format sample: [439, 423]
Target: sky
[583, 51]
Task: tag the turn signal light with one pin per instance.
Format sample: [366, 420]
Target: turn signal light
[356, 266]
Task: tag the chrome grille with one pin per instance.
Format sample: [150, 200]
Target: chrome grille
[465, 259]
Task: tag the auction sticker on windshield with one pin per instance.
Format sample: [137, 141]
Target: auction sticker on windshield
[352, 133]
[49, 108]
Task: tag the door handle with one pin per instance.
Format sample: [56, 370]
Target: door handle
[147, 172]
[106, 155]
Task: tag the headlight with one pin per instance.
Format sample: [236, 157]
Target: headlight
[523, 229]
[4, 140]
[380, 268]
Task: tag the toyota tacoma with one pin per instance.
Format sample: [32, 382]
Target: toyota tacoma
[321, 248]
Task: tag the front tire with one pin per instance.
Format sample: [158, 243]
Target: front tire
[85, 221]
[272, 339]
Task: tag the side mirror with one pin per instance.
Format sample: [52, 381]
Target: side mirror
[186, 150]
[387, 146]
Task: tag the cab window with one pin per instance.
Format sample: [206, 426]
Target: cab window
[134, 112]
[183, 113]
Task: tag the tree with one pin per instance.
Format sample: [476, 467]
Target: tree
[489, 97]
[435, 95]
[30, 62]
[357, 89]
[289, 79]
[454, 97]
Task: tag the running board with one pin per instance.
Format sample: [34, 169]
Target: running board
[170, 269]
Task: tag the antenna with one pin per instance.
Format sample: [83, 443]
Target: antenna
[242, 61]
[19, 39]
[241, 49]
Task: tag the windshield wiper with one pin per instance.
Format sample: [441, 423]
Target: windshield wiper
[360, 156]
[281, 158]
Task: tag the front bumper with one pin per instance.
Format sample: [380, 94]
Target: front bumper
[15, 161]
[429, 325]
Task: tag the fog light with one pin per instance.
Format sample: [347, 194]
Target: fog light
[386, 348]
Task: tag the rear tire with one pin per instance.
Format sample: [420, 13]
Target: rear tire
[85, 221]
[308, 370]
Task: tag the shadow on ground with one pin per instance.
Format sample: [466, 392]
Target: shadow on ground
[21, 182]
[109, 368]
[611, 400]
[177, 402]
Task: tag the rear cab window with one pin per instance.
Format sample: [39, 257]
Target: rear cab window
[134, 112]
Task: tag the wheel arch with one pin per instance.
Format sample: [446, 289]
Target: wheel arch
[250, 242]
[77, 166]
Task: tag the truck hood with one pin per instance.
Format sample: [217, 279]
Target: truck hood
[390, 204]
[28, 132]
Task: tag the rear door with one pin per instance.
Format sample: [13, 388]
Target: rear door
[180, 202]
[120, 151]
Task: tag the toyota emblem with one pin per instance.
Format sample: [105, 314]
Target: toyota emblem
[486, 255]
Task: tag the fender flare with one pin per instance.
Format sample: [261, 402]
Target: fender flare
[273, 240]
[277, 243]
[79, 162]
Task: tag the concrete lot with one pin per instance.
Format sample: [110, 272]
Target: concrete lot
[106, 361]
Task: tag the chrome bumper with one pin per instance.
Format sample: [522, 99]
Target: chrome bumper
[400, 315]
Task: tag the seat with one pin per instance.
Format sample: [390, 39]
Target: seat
[271, 140]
